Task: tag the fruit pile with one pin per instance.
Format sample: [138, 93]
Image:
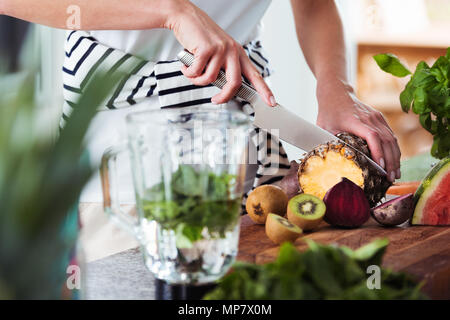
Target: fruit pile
[336, 184]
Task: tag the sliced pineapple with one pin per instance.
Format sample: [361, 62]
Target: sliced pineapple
[321, 174]
[327, 164]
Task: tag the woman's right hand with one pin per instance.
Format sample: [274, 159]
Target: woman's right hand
[213, 50]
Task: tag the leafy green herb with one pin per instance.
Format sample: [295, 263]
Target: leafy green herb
[195, 200]
[40, 181]
[322, 272]
[390, 63]
[428, 94]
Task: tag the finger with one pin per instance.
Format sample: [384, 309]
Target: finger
[391, 167]
[234, 81]
[255, 78]
[391, 155]
[394, 145]
[211, 72]
[396, 153]
[198, 67]
[373, 140]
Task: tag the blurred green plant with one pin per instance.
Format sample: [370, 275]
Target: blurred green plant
[321, 272]
[428, 94]
[40, 181]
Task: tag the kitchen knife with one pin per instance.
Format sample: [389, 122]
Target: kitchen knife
[278, 120]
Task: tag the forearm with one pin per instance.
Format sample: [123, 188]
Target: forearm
[320, 34]
[95, 14]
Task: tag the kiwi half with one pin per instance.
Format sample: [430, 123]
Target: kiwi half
[266, 199]
[279, 229]
[306, 211]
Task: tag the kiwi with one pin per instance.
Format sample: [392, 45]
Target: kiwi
[306, 211]
[279, 229]
[264, 200]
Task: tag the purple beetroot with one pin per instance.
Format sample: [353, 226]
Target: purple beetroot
[347, 205]
[395, 211]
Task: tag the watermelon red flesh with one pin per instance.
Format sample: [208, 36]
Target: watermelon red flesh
[437, 207]
[433, 205]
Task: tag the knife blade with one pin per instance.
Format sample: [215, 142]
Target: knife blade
[279, 120]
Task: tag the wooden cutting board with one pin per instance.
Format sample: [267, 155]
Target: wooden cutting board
[422, 251]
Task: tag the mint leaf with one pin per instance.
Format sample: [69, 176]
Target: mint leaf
[391, 64]
[321, 272]
[218, 185]
[186, 181]
[186, 235]
[195, 200]
[372, 252]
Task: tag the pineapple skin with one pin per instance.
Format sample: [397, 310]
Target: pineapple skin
[375, 184]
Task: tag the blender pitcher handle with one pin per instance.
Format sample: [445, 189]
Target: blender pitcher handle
[111, 203]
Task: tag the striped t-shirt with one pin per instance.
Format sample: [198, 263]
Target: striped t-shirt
[85, 55]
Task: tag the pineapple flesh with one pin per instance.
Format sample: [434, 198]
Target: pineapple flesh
[327, 164]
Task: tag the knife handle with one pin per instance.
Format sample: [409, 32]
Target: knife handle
[245, 92]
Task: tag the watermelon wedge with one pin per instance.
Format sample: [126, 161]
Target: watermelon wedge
[432, 198]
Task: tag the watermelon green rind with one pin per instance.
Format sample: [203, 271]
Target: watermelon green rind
[428, 186]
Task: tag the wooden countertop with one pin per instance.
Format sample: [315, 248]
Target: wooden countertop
[422, 251]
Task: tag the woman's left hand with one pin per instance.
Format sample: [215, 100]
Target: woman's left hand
[340, 110]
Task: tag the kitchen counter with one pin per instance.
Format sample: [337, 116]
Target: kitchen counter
[421, 251]
[123, 276]
[120, 276]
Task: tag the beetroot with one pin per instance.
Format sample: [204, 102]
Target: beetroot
[395, 211]
[289, 183]
[347, 205]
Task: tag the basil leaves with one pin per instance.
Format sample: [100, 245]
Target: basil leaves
[427, 94]
[322, 272]
[390, 63]
[191, 202]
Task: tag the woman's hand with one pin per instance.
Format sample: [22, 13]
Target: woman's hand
[340, 110]
[214, 50]
[212, 47]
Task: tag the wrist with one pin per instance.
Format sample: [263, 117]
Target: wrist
[332, 86]
[334, 92]
[174, 10]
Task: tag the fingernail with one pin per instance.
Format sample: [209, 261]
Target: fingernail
[273, 102]
[392, 176]
[399, 173]
[382, 163]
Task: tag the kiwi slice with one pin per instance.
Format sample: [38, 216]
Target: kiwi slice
[279, 229]
[306, 211]
[266, 199]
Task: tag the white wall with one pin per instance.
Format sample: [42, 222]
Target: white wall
[292, 82]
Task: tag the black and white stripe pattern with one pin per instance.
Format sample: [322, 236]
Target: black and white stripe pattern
[85, 56]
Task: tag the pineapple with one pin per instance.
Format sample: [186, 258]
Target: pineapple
[327, 164]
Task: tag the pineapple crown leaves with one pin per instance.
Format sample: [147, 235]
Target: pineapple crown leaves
[428, 94]
[40, 180]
